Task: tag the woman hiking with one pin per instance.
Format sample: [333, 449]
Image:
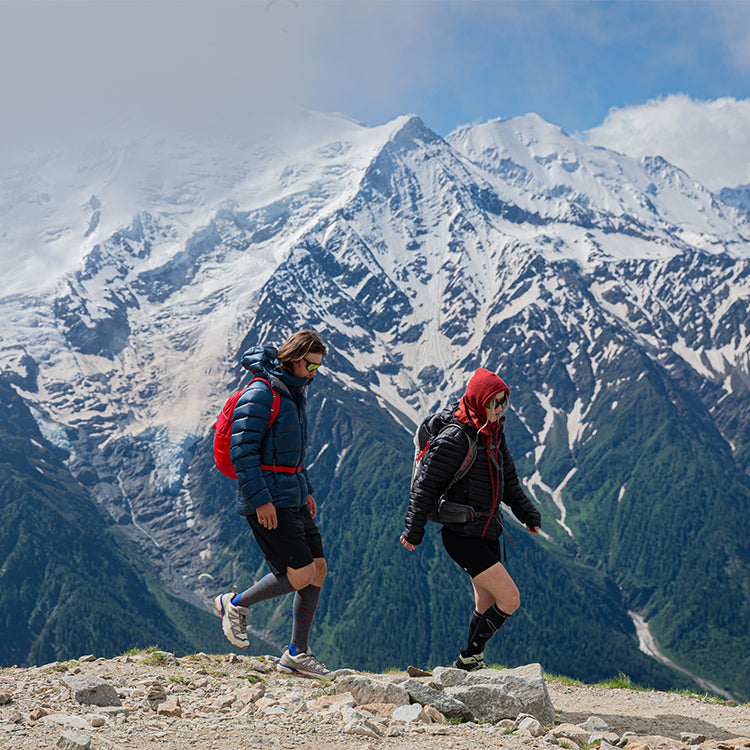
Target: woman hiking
[490, 481]
[275, 494]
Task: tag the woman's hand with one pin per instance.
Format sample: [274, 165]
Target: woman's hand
[312, 506]
[411, 547]
[267, 515]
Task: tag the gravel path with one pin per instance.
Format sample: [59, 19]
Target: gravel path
[229, 703]
[649, 713]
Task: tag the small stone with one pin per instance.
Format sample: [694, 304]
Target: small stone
[595, 725]
[692, 739]
[416, 672]
[571, 732]
[5, 697]
[38, 713]
[74, 741]
[384, 710]
[157, 693]
[98, 721]
[14, 717]
[87, 658]
[265, 702]
[250, 693]
[363, 728]
[531, 725]
[409, 713]
[170, 707]
[257, 666]
[115, 710]
[435, 715]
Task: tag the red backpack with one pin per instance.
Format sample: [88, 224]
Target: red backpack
[223, 428]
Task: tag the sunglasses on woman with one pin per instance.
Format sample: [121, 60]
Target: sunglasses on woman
[498, 402]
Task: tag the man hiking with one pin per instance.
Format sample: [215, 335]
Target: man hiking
[275, 493]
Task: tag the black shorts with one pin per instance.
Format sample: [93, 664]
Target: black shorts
[294, 543]
[472, 553]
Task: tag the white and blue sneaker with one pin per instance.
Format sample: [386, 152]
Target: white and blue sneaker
[233, 619]
[304, 664]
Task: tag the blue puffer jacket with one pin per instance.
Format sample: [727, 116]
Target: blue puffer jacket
[253, 444]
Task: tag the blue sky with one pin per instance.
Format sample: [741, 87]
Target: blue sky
[79, 68]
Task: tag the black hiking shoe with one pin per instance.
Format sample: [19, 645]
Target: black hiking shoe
[470, 663]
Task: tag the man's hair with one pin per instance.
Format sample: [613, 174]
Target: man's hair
[299, 345]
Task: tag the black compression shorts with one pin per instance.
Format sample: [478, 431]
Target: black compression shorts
[472, 553]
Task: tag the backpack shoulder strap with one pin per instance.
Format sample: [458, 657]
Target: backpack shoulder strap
[275, 398]
[471, 452]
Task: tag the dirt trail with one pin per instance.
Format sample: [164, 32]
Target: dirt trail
[649, 713]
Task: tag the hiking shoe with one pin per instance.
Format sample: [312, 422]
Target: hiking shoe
[470, 663]
[233, 619]
[304, 664]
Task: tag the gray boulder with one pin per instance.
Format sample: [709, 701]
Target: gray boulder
[91, 691]
[526, 683]
[446, 704]
[487, 702]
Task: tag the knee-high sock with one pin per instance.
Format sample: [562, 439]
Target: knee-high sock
[475, 617]
[489, 623]
[269, 587]
[303, 609]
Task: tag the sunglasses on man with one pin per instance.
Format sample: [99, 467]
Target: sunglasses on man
[311, 366]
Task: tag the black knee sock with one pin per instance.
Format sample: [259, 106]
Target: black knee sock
[489, 623]
[475, 617]
[269, 587]
[303, 609]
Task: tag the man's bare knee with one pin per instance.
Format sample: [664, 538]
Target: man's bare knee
[300, 578]
[321, 568]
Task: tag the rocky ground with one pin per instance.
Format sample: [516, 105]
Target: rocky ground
[152, 700]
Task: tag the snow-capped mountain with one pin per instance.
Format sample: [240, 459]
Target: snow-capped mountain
[596, 284]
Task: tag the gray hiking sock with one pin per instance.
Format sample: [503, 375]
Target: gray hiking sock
[303, 609]
[269, 587]
[489, 623]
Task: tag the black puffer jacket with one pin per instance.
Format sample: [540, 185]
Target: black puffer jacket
[487, 484]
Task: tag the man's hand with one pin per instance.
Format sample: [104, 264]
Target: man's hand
[267, 515]
[411, 547]
[533, 529]
[312, 506]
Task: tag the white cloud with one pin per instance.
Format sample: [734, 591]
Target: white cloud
[710, 140]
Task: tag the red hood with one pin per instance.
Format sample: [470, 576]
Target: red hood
[481, 388]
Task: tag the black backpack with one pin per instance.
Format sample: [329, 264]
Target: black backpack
[444, 511]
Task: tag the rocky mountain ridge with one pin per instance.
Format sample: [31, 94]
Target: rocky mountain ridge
[146, 699]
